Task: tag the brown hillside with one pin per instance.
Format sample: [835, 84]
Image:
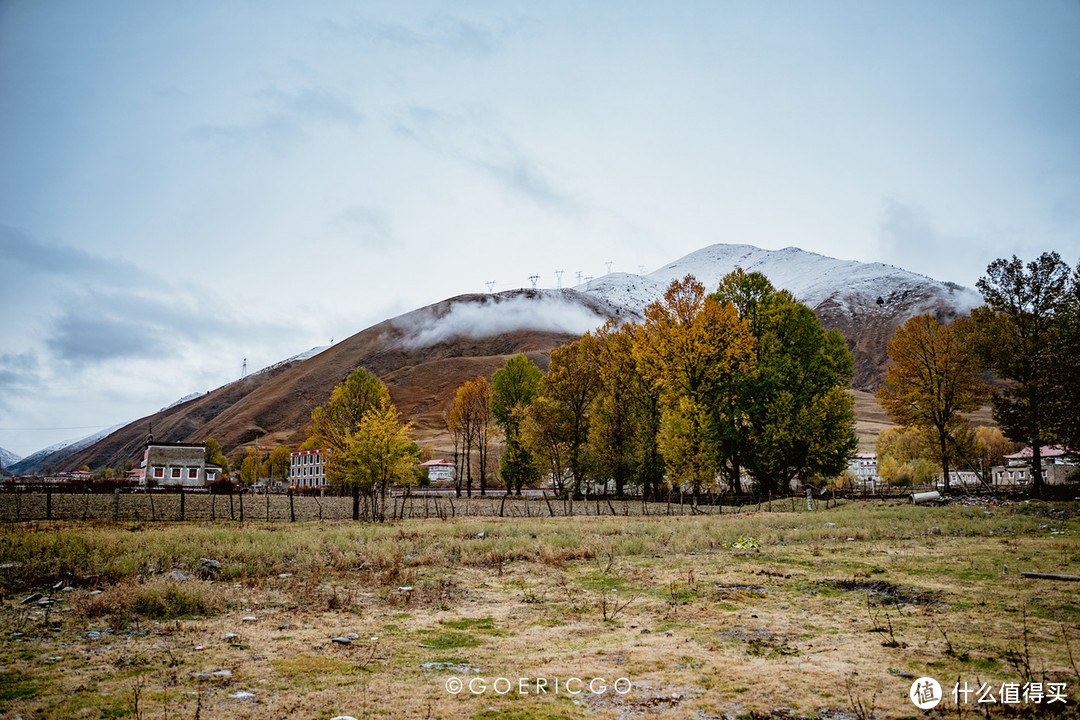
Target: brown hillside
[275, 405]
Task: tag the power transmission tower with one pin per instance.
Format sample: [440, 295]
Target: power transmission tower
[558, 275]
[534, 277]
[243, 370]
[609, 263]
[588, 281]
[641, 269]
[578, 277]
[490, 285]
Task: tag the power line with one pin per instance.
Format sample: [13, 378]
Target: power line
[77, 427]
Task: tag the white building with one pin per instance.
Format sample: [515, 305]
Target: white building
[307, 468]
[439, 472]
[864, 467]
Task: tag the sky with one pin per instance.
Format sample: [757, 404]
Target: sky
[185, 185]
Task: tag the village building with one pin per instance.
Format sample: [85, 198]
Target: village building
[1058, 463]
[177, 464]
[307, 468]
[440, 472]
[864, 467]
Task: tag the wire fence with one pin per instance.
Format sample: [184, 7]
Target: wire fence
[169, 504]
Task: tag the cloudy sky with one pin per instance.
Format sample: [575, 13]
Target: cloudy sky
[187, 184]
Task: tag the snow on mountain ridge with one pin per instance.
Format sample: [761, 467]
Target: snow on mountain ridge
[73, 445]
[812, 278]
[8, 458]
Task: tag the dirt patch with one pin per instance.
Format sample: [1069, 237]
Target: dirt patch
[884, 593]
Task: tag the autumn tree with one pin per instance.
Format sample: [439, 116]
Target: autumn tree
[278, 463]
[470, 418]
[335, 423]
[513, 389]
[557, 425]
[697, 345]
[380, 454]
[213, 455]
[933, 377]
[250, 466]
[1021, 339]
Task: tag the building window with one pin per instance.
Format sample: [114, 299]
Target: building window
[193, 473]
[159, 472]
[176, 473]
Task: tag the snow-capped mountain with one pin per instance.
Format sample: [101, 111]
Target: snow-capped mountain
[8, 458]
[813, 279]
[60, 450]
[866, 302]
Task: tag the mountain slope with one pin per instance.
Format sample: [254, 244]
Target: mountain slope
[7, 459]
[422, 356]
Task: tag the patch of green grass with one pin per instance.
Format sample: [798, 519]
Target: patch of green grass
[15, 685]
[450, 640]
[528, 713]
[486, 625]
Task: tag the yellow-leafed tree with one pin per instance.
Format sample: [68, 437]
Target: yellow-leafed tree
[933, 377]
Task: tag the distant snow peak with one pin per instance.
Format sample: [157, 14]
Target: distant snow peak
[8, 458]
[70, 445]
[811, 278]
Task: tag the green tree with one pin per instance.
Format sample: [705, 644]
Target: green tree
[788, 414]
[933, 377]
[380, 454]
[513, 389]
[618, 433]
[1020, 332]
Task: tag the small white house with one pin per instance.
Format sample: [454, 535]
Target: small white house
[439, 472]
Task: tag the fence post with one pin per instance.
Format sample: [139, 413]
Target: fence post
[292, 510]
[116, 504]
[182, 496]
[241, 507]
[48, 504]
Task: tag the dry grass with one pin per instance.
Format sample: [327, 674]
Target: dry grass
[702, 623]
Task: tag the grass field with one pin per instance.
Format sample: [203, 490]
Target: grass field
[831, 614]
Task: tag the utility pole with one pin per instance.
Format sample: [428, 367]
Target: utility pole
[243, 370]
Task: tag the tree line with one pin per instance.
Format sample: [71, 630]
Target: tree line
[734, 389]
[709, 391]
